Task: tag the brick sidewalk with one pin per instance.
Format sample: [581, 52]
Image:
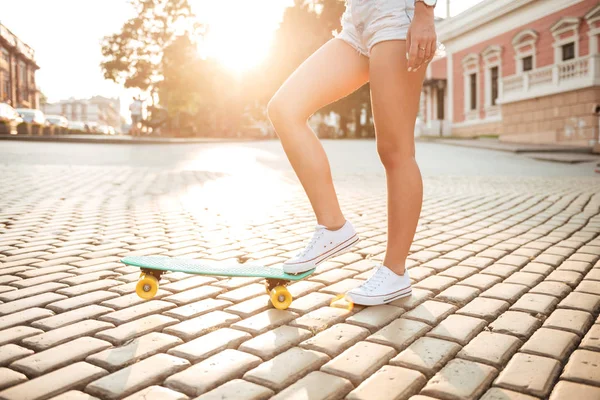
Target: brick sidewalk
[505, 306]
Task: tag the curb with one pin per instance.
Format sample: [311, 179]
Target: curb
[124, 139]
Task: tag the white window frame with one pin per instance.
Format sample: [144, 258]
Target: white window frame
[492, 57]
[526, 39]
[470, 66]
[564, 25]
[591, 18]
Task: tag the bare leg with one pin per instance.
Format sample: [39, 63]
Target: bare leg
[395, 96]
[332, 72]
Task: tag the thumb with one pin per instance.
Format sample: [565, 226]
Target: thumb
[408, 40]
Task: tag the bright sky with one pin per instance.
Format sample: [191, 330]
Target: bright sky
[66, 36]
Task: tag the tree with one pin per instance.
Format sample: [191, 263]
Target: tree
[133, 57]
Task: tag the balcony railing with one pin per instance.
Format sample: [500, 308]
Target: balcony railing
[568, 75]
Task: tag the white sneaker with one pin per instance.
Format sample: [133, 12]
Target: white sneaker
[324, 245]
[382, 287]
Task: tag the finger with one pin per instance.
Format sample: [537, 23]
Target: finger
[408, 42]
[420, 53]
[429, 51]
[413, 56]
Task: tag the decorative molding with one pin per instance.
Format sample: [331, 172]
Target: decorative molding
[518, 41]
[591, 18]
[563, 25]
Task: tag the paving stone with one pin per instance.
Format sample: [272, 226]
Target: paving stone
[400, 333]
[238, 389]
[477, 262]
[591, 341]
[565, 390]
[399, 383]
[286, 368]
[342, 286]
[210, 344]
[529, 374]
[196, 309]
[336, 339]
[138, 349]
[441, 264]
[212, 372]
[29, 282]
[192, 295]
[11, 352]
[70, 317]
[39, 300]
[17, 333]
[31, 291]
[583, 367]
[556, 289]
[537, 268]
[574, 321]
[577, 266]
[265, 321]
[581, 301]
[311, 302]
[129, 380]
[59, 356]
[516, 323]
[201, 325]
[505, 291]
[430, 312]
[302, 288]
[551, 343]
[376, 317]
[503, 394]
[316, 386]
[458, 295]
[359, 361]
[243, 293]
[460, 379]
[426, 355]
[276, 341]
[525, 278]
[9, 378]
[156, 393]
[133, 329]
[500, 270]
[250, 307]
[436, 283]
[458, 328]
[591, 287]
[571, 278]
[535, 304]
[138, 311]
[417, 297]
[481, 281]
[484, 308]
[81, 301]
[491, 348]
[320, 319]
[55, 337]
[56, 382]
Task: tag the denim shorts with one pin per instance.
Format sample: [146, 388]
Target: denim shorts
[368, 22]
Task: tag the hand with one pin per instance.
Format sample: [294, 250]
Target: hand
[421, 39]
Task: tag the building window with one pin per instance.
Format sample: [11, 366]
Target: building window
[494, 84]
[592, 18]
[473, 91]
[5, 56]
[566, 39]
[6, 92]
[527, 63]
[568, 51]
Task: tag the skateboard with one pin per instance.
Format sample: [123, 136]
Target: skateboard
[152, 267]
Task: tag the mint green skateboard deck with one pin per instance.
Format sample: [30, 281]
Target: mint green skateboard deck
[152, 267]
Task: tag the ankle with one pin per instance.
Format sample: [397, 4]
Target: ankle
[398, 269]
[333, 225]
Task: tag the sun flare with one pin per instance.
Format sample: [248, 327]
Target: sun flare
[239, 32]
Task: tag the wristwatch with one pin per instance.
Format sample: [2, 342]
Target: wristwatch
[428, 3]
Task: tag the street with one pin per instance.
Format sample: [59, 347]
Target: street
[505, 268]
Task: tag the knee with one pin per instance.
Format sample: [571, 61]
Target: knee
[394, 155]
[281, 110]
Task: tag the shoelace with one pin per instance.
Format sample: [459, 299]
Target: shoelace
[319, 230]
[375, 280]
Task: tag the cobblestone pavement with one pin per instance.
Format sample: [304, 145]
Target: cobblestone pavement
[505, 306]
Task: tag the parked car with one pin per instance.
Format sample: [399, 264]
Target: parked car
[106, 130]
[9, 119]
[78, 126]
[34, 121]
[58, 121]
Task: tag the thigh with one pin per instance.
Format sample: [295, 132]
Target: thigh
[395, 95]
[332, 72]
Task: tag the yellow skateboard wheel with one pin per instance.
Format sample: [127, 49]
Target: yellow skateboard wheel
[281, 297]
[147, 287]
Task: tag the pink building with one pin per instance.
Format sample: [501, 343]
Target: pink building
[526, 70]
